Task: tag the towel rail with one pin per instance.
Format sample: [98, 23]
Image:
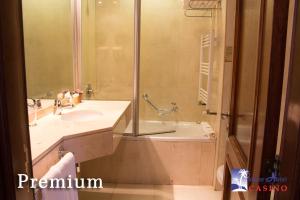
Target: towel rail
[62, 152]
[205, 72]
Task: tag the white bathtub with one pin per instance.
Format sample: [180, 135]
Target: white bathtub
[184, 157]
[169, 130]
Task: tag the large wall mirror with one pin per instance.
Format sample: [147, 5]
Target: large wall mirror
[48, 40]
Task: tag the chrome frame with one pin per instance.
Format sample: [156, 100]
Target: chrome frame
[136, 67]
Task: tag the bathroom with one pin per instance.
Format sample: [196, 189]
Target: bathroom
[155, 99]
[88, 45]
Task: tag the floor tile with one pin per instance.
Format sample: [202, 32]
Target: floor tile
[150, 192]
[133, 192]
[97, 194]
[183, 192]
[163, 192]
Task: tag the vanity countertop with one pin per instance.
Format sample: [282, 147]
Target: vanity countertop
[52, 129]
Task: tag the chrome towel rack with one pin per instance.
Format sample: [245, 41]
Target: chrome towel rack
[62, 152]
[205, 72]
[205, 6]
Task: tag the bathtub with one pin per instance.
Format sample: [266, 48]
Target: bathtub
[183, 157]
[172, 131]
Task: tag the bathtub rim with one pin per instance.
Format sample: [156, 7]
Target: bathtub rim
[169, 138]
[158, 137]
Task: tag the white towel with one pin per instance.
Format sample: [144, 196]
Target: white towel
[64, 168]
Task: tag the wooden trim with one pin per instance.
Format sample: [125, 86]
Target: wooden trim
[270, 62]
[276, 71]
[230, 164]
[235, 68]
[257, 86]
[13, 107]
[235, 78]
[234, 153]
[6, 170]
[227, 182]
[290, 143]
[234, 159]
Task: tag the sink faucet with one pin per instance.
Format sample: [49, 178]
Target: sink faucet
[57, 106]
[36, 104]
[89, 92]
[60, 103]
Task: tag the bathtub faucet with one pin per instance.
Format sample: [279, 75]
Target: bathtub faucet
[161, 111]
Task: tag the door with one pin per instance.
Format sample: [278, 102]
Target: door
[258, 57]
[290, 142]
[14, 134]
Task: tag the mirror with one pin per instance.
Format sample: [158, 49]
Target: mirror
[48, 43]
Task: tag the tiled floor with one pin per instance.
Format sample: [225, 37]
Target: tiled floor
[150, 192]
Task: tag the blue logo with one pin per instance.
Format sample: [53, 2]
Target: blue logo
[239, 180]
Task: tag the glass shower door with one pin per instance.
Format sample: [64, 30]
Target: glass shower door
[163, 81]
[169, 67]
[107, 49]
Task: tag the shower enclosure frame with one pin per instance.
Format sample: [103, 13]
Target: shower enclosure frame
[136, 68]
[77, 53]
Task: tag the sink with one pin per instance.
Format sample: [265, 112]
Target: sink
[81, 116]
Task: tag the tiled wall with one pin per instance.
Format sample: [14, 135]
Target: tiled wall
[48, 46]
[169, 55]
[147, 161]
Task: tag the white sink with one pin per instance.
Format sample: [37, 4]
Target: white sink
[82, 116]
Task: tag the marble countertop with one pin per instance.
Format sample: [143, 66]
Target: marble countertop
[51, 129]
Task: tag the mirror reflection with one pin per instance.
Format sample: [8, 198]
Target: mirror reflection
[48, 43]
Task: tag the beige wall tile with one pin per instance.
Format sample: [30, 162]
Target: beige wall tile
[155, 162]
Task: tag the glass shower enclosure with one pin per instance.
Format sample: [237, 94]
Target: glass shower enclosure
[147, 52]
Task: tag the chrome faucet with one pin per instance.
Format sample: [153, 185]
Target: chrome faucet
[57, 106]
[36, 104]
[64, 99]
[89, 92]
[174, 107]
